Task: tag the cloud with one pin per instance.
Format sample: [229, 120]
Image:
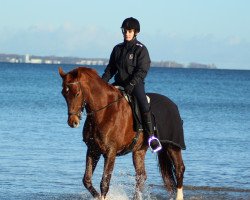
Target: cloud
[97, 42]
[234, 40]
[65, 40]
[224, 52]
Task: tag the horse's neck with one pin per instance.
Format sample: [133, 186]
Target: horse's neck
[101, 94]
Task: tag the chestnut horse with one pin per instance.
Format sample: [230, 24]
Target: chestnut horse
[109, 131]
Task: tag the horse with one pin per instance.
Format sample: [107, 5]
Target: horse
[108, 131]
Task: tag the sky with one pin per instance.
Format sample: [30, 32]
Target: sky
[203, 31]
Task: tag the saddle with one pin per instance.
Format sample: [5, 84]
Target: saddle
[136, 113]
[133, 102]
[137, 119]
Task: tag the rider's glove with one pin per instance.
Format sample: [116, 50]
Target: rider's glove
[105, 78]
[129, 88]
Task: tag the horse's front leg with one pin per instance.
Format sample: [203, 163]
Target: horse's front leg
[92, 159]
[109, 161]
[141, 176]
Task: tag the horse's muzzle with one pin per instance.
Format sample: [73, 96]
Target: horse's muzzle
[73, 121]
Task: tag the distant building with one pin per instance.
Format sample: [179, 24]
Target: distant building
[27, 58]
[13, 60]
[35, 60]
[56, 62]
[48, 61]
[199, 65]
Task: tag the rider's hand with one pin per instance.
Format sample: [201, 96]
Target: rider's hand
[129, 88]
[105, 78]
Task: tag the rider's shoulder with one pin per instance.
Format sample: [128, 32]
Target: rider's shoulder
[117, 48]
[140, 47]
[139, 44]
[120, 44]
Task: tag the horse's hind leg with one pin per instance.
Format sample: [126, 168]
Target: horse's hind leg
[176, 157]
[141, 176]
[92, 159]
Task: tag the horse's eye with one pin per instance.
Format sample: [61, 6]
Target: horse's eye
[65, 90]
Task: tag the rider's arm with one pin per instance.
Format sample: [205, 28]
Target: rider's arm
[142, 67]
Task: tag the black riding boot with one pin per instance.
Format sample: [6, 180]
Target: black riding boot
[153, 142]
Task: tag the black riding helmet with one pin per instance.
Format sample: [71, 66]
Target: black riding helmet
[131, 23]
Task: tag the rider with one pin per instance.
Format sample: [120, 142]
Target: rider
[129, 63]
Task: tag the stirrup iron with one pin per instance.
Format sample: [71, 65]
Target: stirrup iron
[149, 142]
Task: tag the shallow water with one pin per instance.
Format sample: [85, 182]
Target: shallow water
[42, 158]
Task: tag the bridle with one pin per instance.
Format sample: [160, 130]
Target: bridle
[90, 112]
[108, 105]
[78, 113]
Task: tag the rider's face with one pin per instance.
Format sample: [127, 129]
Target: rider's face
[128, 34]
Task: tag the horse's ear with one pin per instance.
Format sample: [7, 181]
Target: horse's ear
[61, 72]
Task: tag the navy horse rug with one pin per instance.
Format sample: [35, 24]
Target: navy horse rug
[169, 124]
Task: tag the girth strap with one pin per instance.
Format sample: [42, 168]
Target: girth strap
[131, 146]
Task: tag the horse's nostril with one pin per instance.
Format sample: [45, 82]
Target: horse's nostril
[75, 124]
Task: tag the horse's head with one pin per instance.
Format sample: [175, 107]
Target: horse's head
[73, 94]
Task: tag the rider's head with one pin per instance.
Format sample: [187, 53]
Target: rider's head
[130, 28]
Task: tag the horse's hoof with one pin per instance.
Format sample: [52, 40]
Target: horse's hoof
[179, 195]
[100, 198]
[137, 196]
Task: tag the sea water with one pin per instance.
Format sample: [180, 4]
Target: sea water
[41, 157]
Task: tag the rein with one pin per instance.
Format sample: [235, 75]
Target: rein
[95, 111]
[92, 112]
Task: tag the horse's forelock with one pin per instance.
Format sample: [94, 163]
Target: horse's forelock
[70, 76]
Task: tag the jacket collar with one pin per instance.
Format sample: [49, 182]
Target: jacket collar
[130, 43]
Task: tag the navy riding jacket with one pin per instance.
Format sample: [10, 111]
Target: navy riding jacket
[129, 63]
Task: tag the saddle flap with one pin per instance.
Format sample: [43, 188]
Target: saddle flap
[138, 126]
[126, 95]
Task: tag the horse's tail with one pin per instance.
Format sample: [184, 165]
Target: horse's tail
[167, 169]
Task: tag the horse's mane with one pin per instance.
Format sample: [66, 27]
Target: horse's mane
[92, 73]
[89, 71]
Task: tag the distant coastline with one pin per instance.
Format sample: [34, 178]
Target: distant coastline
[33, 59]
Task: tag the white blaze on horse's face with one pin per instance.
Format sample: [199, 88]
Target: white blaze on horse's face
[73, 96]
[67, 89]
